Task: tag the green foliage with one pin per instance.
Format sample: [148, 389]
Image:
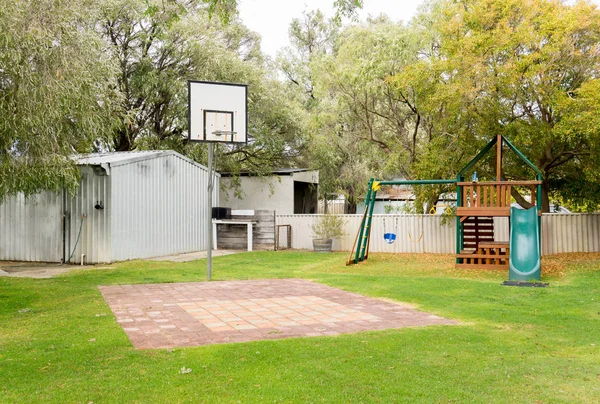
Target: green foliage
[224, 9]
[367, 107]
[158, 48]
[328, 226]
[78, 76]
[374, 99]
[419, 101]
[578, 182]
[353, 110]
[513, 67]
[346, 8]
[55, 92]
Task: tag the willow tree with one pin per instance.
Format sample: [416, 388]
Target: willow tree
[55, 92]
[81, 75]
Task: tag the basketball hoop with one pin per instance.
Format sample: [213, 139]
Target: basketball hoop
[217, 113]
[224, 133]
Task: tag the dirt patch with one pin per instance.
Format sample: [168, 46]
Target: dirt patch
[198, 255]
[40, 270]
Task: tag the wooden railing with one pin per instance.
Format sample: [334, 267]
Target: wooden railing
[491, 198]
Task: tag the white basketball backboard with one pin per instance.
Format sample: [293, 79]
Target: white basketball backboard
[217, 112]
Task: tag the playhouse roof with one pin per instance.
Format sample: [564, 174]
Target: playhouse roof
[488, 147]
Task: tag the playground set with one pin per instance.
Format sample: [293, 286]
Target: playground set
[477, 204]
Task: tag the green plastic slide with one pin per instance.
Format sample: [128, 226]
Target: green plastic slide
[524, 260]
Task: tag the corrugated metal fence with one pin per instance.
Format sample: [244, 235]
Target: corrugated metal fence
[565, 233]
[415, 233]
[561, 233]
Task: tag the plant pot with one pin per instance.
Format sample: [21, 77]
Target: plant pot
[322, 244]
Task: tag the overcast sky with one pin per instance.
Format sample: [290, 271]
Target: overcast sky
[271, 18]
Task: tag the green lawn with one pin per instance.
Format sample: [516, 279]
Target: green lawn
[60, 343]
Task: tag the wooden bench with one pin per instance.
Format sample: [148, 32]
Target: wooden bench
[489, 255]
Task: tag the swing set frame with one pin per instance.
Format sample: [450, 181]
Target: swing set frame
[487, 199]
[364, 233]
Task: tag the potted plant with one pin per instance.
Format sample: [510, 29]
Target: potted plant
[325, 229]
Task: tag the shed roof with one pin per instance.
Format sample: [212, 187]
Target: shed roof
[118, 158]
[114, 159]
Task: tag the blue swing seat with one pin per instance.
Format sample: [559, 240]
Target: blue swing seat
[389, 238]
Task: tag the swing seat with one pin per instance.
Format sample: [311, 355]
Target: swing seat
[389, 238]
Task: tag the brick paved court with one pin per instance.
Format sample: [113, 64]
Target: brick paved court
[191, 314]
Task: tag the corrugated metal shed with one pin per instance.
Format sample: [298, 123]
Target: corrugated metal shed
[129, 205]
[31, 228]
[158, 206]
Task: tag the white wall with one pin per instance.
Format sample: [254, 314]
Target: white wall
[261, 193]
[312, 177]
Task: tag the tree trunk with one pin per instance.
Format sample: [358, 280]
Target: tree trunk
[122, 141]
[350, 206]
[325, 205]
[545, 194]
[520, 200]
[431, 203]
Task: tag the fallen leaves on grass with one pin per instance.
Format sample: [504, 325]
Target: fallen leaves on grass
[560, 264]
[443, 265]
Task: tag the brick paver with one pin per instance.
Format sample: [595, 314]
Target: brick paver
[202, 313]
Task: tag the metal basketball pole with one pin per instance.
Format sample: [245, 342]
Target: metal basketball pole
[209, 226]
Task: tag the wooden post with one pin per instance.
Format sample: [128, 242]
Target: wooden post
[499, 158]
[485, 196]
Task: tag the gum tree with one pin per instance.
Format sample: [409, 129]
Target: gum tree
[522, 69]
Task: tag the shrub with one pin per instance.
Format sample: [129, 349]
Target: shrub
[328, 226]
